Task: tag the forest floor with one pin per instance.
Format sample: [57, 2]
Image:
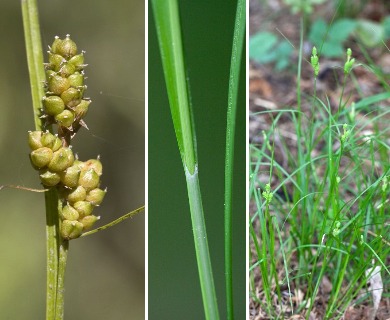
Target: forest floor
[272, 90]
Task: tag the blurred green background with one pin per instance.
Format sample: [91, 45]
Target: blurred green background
[174, 290]
[106, 272]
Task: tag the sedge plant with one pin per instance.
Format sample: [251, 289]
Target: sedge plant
[323, 218]
[166, 15]
[71, 186]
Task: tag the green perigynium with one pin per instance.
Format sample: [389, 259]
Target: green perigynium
[76, 194]
[71, 229]
[96, 196]
[77, 182]
[48, 178]
[41, 157]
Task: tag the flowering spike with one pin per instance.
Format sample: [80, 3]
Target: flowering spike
[314, 61]
[267, 194]
[65, 106]
[349, 63]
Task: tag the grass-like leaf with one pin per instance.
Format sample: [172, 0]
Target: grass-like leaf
[166, 14]
[238, 41]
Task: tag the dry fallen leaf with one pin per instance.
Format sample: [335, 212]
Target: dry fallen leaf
[376, 283]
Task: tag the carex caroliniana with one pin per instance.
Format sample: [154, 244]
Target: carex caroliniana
[51, 154]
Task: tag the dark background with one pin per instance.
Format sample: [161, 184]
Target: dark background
[106, 271]
[174, 290]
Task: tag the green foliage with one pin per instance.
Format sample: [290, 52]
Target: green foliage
[265, 47]
[330, 39]
[386, 27]
[370, 33]
[335, 210]
[303, 6]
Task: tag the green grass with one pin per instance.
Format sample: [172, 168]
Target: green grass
[238, 41]
[328, 217]
[167, 19]
[166, 15]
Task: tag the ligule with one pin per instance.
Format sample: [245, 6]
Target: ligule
[64, 105]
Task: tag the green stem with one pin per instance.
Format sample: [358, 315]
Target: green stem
[52, 242]
[63, 255]
[113, 223]
[166, 14]
[238, 42]
[201, 246]
[167, 19]
[34, 56]
[37, 78]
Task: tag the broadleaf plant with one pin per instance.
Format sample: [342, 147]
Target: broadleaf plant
[265, 47]
[330, 39]
[304, 6]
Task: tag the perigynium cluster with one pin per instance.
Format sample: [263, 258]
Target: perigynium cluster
[51, 154]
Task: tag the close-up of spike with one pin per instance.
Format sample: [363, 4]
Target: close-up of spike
[64, 102]
[84, 246]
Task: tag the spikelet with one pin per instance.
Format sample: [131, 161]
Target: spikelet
[64, 105]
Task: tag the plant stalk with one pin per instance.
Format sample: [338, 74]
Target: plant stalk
[166, 14]
[116, 221]
[37, 78]
[201, 246]
[63, 255]
[167, 19]
[238, 42]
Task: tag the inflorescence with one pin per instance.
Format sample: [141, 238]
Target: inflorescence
[64, 105]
